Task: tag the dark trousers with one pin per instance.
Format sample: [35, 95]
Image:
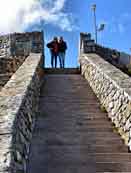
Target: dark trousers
[54, 59]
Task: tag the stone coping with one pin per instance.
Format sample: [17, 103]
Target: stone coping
[11, 98]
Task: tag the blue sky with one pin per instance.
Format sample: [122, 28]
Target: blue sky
[68, 18]
[115, 14]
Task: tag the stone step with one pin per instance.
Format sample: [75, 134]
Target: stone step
[74, 134]
[91, 113]
[61, 71]
[83, 168]
[68, 97]
[72, 157]
[89, 148]
[111, 167]
[61, 157]
[78, 122]
[77, 98]
[78, 125]
[81, 141]
[79, 116]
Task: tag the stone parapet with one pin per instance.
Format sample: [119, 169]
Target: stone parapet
[8, 66]
[5, 46]
[18, 110]
[4, 79]
[21, 44]
[117, 58]
[113, 88]
[14, 48]
[11, 64]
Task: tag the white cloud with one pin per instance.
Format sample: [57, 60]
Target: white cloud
[120, 24]
[117, 27]
[58, 5]
[126, 15]
[17, 15]
[121, 28]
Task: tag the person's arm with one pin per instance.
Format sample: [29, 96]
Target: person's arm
[49, 45]
[65, 46]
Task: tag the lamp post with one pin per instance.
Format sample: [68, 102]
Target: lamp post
[95, 26]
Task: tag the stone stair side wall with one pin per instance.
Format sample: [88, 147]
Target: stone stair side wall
[18, 110]
[113, 88]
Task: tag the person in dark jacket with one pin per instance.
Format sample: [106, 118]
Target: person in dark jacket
[54, 48]
[62, 52]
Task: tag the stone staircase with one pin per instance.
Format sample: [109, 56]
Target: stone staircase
[72, 134]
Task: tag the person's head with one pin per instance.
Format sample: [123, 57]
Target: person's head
[61, 39]
[55, 39]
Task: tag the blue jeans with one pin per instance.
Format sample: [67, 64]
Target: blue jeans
[62, 59]
[54, 58]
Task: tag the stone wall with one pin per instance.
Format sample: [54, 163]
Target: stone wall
[119, 59]
[18, 110]
[113, 88]
[5, 46]
[21, 44]
[10, 65]
[14, 48]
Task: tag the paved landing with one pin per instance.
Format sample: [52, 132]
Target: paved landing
[72, 134]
